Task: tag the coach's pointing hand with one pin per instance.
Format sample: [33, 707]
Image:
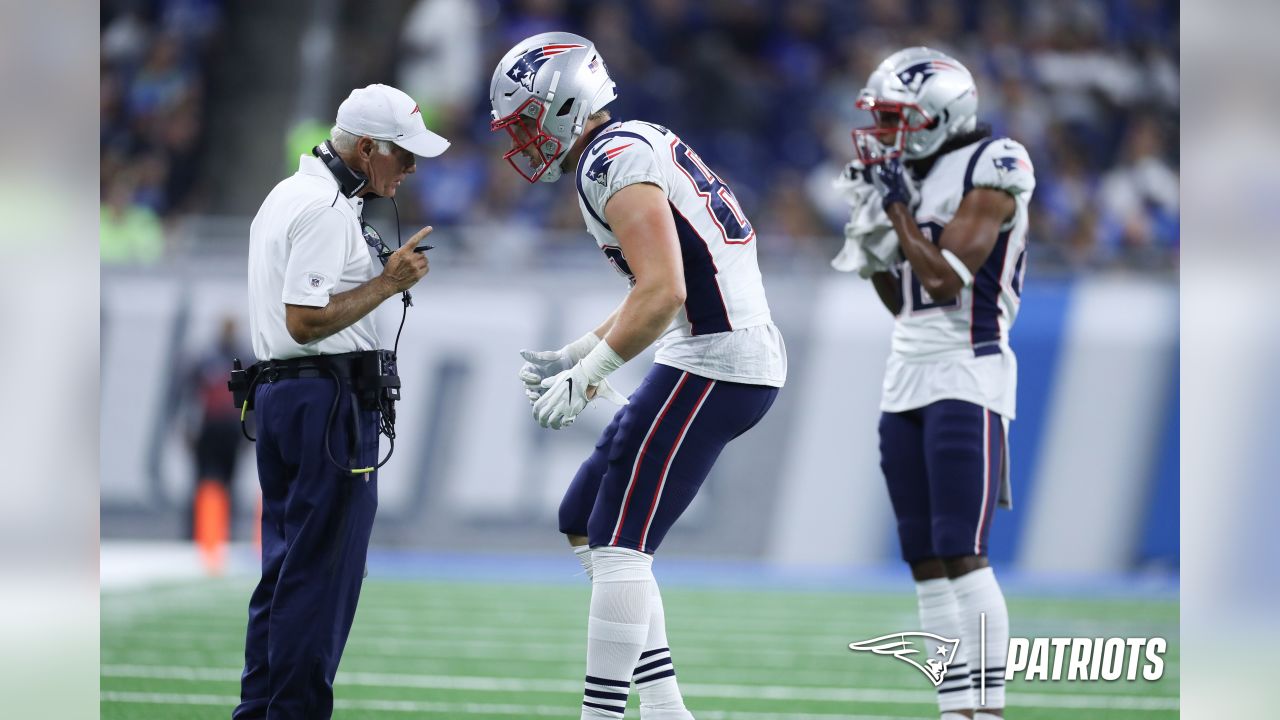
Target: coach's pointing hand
[405, 267]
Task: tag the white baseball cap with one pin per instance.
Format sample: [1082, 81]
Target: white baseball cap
[385, 113]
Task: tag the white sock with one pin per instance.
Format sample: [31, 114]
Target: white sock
[939, 614]
[953, 716]
[621, 602]
[986, 716]
[977, 593]
[655, 676]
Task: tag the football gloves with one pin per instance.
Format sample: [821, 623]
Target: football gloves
[894, 184]
[564, 396]
[542, 364]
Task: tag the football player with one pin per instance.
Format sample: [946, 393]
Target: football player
[674, 230]
[956, 198]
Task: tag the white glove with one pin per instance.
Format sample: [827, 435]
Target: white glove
[542, 364]
[565, 395]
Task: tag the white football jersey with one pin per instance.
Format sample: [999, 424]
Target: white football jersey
[724, 331]
[960, 349]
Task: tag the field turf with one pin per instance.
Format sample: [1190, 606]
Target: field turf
[485, 651]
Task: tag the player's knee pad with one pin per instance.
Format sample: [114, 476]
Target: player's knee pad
[616, 564]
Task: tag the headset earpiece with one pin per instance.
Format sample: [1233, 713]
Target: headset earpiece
[351, 181]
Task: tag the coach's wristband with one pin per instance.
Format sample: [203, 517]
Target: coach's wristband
[966, 277]
[579, 348]
[600, 362]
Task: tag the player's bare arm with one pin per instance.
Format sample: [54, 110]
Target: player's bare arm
[641, 218]
[404, 269]
[969, 236]
[607, 325]
[889, 288]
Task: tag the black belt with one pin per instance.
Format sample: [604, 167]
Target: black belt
[371, 373]
[365, 364]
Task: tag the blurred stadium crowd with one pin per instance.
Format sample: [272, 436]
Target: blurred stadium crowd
[763, 90]
[154, 59]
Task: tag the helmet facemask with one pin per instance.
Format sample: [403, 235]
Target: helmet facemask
[533, 150]
[896, 131]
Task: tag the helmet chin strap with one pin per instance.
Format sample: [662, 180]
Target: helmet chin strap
[552, 173]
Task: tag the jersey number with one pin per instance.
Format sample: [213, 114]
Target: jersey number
[619, 262]
[721, 203]
[920, 301]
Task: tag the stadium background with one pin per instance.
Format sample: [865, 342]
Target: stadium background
[206, 104]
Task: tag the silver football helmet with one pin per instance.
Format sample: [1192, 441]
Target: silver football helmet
[919, 97]
[542, 92]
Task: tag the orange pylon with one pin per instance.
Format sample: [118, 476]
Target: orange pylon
[212, 524]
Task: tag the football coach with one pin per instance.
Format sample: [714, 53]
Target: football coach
[322, 391]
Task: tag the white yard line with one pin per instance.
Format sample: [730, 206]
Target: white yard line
[757, 692]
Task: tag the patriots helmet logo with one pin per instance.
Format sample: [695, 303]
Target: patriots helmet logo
[905, 644]
[915, 76]
[1005, 164]
[525, 69]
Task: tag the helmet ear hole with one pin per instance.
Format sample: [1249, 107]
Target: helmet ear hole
[565, 107]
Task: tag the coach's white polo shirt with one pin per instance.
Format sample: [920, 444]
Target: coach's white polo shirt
[305, 244]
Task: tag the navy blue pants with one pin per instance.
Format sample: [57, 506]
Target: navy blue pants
[316, 521]
[652, 458]
[942, 463]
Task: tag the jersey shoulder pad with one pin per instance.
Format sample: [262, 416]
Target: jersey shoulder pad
[1004, 165]
[621, 156]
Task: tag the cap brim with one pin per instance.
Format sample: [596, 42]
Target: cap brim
[424, 144]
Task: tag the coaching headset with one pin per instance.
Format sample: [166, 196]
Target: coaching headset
[349, 181]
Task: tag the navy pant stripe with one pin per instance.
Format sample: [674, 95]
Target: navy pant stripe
[635, 469]
[988, 459]
[666, 465]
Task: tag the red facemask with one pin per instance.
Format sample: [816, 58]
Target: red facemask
[531, 146]
[895, 121]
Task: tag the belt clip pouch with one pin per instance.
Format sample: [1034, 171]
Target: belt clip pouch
[389, 378]
[365, 372]
[240, 382]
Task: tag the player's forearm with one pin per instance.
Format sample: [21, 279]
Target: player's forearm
[307, 324]
[927, 263]
[643, 317]
[889, 287]
[607, 325]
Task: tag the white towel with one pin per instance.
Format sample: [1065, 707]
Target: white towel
[870, 244]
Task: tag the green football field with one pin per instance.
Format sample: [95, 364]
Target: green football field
[472, 650]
